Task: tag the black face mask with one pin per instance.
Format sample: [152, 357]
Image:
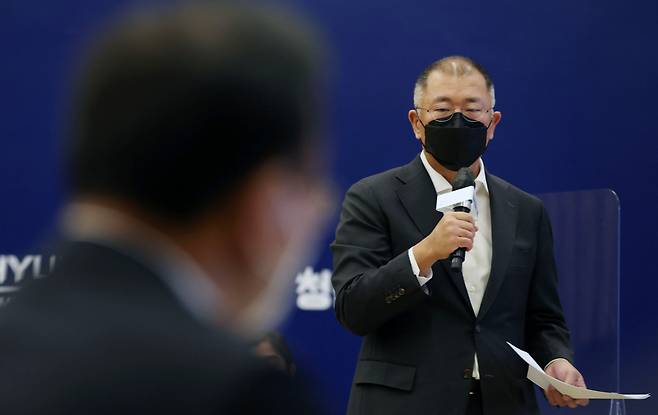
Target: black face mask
[455, 141]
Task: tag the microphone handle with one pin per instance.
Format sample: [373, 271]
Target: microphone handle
[457, 257]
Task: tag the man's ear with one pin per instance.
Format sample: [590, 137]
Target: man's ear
[412, 116]
[497, 116]
[250, 207]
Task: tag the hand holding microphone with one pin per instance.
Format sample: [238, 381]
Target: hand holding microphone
[452, 236]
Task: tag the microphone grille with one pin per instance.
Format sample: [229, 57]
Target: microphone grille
[463, 179]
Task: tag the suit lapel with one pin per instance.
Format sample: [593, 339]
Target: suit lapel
[504, 217]
[418, 196]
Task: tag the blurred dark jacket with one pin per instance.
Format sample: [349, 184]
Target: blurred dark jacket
[105, 334]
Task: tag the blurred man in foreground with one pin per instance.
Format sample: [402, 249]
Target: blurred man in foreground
[193, 198]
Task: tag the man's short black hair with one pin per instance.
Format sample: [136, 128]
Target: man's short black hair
[455, 65]
[177, 106]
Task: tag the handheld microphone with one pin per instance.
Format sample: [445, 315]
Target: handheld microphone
[463, 179]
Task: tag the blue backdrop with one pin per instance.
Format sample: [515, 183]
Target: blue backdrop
[575, 81]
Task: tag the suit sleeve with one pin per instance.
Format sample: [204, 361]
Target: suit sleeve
[372, 283]
[547, 333]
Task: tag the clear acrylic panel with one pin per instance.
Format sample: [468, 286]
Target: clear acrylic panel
[586, 239]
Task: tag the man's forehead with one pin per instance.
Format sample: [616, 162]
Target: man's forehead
[454, 86]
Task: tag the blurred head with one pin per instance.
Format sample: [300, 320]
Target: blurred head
[273, 348]
[450, 85]
[199, 120]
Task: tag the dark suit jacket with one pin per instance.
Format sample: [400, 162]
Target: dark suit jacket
[418, 349]
[105, 335]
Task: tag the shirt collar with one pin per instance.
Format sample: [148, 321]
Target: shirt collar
[184, 277]
[441, 185]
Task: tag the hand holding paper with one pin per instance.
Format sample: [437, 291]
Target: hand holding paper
[537, 375]
[563, 370]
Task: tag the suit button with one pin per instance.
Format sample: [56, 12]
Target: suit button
[401, 291]
[477, 328]
[468, 373]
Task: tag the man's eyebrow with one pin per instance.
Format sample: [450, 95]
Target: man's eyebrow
[469, 100]
[441, 98]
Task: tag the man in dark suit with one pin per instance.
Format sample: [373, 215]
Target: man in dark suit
[434, 339]
[191, 193]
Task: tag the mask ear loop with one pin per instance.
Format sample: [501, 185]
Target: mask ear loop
[421, 123]
[418, 115]
[491, 120]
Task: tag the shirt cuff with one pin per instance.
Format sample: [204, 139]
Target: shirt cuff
[422, 280]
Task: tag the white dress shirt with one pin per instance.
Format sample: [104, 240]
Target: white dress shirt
[477, 264]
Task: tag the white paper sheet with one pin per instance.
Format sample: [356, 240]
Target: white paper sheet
[537, 376]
